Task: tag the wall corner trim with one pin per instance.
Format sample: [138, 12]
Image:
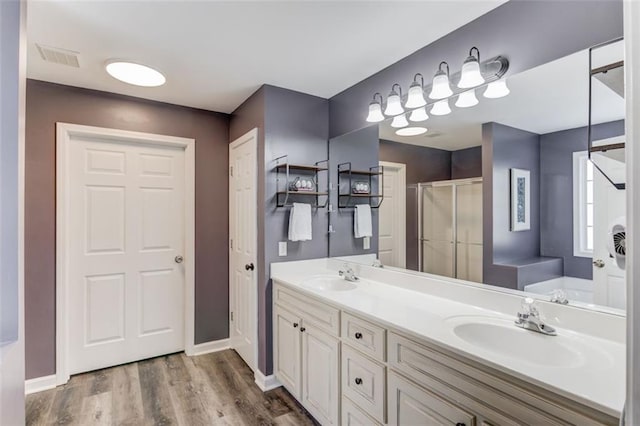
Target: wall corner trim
[266, 383]
[208, 347]
[39, 384]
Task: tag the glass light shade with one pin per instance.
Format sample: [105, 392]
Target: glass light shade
[470, 74]
[415, 98]
[411, 131]
[419, 114]
[394, 105]
[467, 99]
[399, 121]
[136, 74]
[441, 108]
[375, 113]
[497, 89]
[440, 88]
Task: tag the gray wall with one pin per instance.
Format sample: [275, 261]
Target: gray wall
[50, 103]
[361, 149]
[289, 123]
[466, 163]
[556, 189]
[529, 33]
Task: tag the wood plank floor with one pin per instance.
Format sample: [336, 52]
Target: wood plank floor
[212, 389]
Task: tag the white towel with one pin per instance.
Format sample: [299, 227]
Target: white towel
[362, 221]
[300, 222]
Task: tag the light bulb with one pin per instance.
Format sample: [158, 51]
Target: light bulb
[440, 88]
[399, 121]
[497, 89]
[419, 114]
[415, 98]
[375, 112]
[411, 131]
[467, 99]
[441, 108]
[394, 103]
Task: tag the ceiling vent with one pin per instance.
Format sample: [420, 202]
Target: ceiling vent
[59, 56]
[433, 135]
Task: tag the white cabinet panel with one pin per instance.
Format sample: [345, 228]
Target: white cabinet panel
[287, 359]
[363, 381]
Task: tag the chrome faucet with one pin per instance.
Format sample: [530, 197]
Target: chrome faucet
[377, 264]
[530, 319]
[559, 296]
[348, 273]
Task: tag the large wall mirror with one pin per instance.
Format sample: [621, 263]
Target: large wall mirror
[501, 193]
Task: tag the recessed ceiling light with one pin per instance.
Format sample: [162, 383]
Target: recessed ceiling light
[411, 131]
[136, 74]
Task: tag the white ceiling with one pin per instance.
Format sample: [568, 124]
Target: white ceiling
[545, 99]
[215, 54]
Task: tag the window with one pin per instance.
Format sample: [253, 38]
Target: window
[582, 205]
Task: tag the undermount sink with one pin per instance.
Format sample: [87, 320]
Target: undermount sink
[502, 337]
[329, 283]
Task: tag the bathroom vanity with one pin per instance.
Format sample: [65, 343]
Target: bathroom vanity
[397, 348]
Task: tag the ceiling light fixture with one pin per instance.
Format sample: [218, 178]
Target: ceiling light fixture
[394, 102]
[441, 108]
[467, 99]
[136, 74]
[375, 110]
[415, 98]
[399, 121]
[470, 74]
[497, 89]
[419, 114]
[440, 87]
[411, 131]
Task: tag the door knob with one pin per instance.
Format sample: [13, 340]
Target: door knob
[249, 267]
[358, 381]
[598, 263]
[179, 259]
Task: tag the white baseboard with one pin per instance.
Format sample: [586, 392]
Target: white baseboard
[39, 384]
[266, 383]
[208, 347]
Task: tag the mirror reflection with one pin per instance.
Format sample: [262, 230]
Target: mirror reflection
[506, 191]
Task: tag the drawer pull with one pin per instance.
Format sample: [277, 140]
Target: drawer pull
[302, 329]
[295, 324]
[359, 382]
[460, 424]
[358, 335]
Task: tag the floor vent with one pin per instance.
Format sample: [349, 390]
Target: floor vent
[59, 56]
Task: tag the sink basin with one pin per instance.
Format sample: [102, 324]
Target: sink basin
[329, 283]
[502, 337]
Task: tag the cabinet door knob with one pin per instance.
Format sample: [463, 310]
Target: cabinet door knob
[460, 424]
[295, 324]
[358, 335]
[358, 381]
[302, 329]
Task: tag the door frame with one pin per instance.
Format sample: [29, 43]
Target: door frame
[401, 207]
[65, 132]
[252, 134]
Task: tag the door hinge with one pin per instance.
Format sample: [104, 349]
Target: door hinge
[231, 243]
[231, 171]
[231, 315]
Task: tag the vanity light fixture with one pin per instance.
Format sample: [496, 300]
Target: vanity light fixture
[419, 114]
[135, 74]
[394, 102]
[497, 89]
[411, 131]
[441, 108]
[440, 88]
[399, 121]
[375, 110]
[467, 99]
[415, 98]
[470, 74]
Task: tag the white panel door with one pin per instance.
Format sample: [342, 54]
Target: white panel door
[392, 216]
[243, 287]
[126, 231]
[320, 369]
[609, 281]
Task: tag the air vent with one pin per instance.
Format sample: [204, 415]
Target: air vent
[433, 135]
[59, 56]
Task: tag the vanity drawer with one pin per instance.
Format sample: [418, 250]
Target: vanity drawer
[352, 415]
[367, 337]
[312, 311]
[364, 382]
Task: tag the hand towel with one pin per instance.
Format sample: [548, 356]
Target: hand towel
[362, 221]
[300, 222]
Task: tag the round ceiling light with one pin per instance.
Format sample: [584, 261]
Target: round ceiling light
[136, 74]
[411, 131]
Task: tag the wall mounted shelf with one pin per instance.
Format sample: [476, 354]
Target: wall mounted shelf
[285, 171]
[348, 176]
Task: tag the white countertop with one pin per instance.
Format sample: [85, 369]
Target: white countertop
[596, 378]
